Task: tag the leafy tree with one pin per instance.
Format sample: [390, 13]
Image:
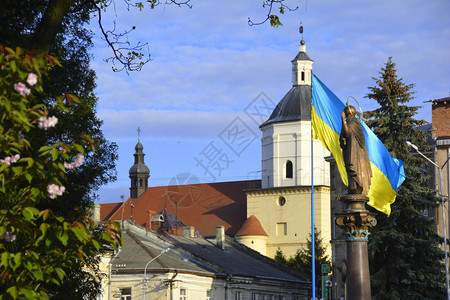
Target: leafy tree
[302, 260]
[38, 246]
[71, 42]
[404, 248]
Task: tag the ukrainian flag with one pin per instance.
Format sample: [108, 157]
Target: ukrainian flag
[387, 172]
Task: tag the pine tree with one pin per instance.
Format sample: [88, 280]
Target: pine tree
[302, 260]
[404, 248]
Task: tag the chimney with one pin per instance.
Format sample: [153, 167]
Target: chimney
[220, 237]
[150, 213]
[189, 231]
[157, 222]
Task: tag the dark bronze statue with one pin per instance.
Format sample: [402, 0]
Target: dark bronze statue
[355, 154]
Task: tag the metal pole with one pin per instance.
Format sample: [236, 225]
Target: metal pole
[145, 270]
[313, 254]
[408, 143]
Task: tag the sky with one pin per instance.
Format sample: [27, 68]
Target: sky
[213, 79]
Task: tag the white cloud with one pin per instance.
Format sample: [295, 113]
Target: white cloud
[208, 64]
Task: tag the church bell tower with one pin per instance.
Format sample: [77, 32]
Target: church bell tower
[139, 172]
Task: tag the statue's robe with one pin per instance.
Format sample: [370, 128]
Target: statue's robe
[356, 158]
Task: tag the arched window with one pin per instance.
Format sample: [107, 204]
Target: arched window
[303, 75]
[141, 182]
[289, 169]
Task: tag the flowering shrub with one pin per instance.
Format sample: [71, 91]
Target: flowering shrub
[35, 244]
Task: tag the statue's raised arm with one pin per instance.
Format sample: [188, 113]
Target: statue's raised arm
[354, 150]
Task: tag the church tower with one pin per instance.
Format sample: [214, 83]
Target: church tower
[286, 142]
[139, 172]
[283, 204]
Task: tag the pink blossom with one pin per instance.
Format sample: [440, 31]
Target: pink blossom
[77, 163]
[55, 190]
[22, 89]
[10, 160]
[46, 123]
[32, 79]
[9, 238]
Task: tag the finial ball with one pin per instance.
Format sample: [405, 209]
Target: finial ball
[302, 42]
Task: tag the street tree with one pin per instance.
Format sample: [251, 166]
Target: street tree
[301, 261]
[404, 248]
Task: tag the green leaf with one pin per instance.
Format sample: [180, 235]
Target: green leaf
[81, 235]
[28, 177]
[55, 154]
[43, 228]
[78, 148]
[28, 214]
[38, 274]
[60, 272]
[35, 191]
[17, 260]
[64, 238]
[13, 292]
[5, 258]
[17, 170]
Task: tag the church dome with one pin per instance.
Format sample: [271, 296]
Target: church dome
[139, 169]
[139, 147]
[295, 106]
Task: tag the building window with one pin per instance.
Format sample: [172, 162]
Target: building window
[254, 296]
[208, 295]
[281, 229]
[125, 294]
[289, 169]
[183, 294]
[238, 296]
[141, 182]
[303, 75]
[281, 201]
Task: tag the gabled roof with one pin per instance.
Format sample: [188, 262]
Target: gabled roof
[204, 206]
[196, 256]
[252, 226]
[108, 209]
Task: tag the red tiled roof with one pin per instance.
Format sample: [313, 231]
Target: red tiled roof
[107, 209]
[252, 226]
[204, 206]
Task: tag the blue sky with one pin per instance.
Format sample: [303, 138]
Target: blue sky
[210, 71]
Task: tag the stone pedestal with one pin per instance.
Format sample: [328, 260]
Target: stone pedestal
[357, 221]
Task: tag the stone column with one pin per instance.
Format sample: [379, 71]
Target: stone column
[357, 221]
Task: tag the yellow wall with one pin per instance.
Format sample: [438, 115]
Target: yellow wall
[255, 242]
[288, 226]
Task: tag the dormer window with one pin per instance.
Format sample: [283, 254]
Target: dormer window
[303, 75]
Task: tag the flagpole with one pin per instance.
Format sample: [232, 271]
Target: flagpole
[313, 255]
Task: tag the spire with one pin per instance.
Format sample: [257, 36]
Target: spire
[139, 172]
[302, 42]
[301, 65]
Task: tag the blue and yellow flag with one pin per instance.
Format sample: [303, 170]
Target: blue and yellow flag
[387, 172]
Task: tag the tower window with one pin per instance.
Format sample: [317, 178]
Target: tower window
[281, 201]
[281, 229]
[289, 169]
[141, 182]
[303, 75]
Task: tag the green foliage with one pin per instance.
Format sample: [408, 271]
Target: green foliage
[302, 260]
[404, 248]
[37, 246]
